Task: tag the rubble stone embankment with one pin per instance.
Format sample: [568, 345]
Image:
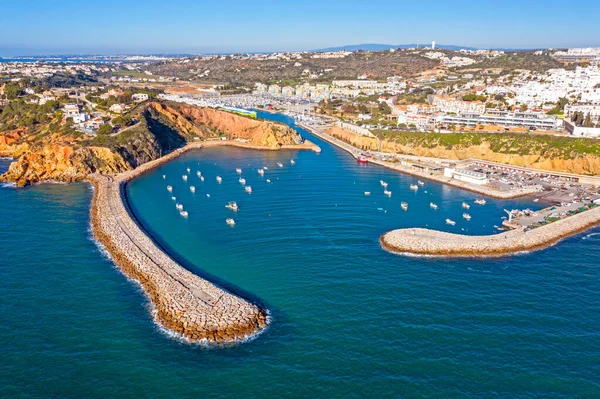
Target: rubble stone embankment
[418, 241]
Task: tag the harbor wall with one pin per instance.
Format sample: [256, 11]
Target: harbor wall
[192, 307]
[418, 241]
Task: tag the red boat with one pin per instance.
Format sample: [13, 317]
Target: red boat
[362, 159]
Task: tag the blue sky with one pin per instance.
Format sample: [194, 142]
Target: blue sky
[197, 26]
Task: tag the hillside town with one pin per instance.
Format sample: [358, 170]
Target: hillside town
[459, 93]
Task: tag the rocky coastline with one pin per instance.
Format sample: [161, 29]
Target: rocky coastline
[426, 242]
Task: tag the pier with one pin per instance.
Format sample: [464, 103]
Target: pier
[418, 241]
[182, 302]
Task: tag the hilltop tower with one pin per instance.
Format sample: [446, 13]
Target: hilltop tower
[433, 45]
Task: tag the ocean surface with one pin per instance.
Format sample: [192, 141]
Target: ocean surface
[349, 320]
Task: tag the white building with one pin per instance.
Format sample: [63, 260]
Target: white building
[139, 97]
[468, 176]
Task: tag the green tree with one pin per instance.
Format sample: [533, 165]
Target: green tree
[588, 121]
[104, 129]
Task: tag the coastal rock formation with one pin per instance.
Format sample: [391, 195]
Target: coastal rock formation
[535, 157]
[162, 128]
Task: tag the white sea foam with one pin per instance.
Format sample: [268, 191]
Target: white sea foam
[7, 185]
[591, 235]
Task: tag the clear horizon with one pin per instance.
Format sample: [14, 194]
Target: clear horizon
[184, 26]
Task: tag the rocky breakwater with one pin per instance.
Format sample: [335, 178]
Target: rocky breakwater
[419, 241]
[182, 302]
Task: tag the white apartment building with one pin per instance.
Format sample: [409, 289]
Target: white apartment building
[453, 105]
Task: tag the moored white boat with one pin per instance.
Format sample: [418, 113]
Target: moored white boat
[404, 206]
[230, 221]
[184, 177]
[164, 177]
[261, 172]
[480, 201]
[248, 189]
[414, 187]
[201, 178]
[280, 164]
[198, 174]
[219, 179]
[193, 189]
[170, 189]
[433, 206]
[238, 170]
[232, 205]
[292, 162]
[268, 180]
[420, 183]
[179, 207]
[367, 193]
[242, 180]
[466, 216]
[188, 170]
[450, 222]
[387, 192]
[174, 199]
[184, 214]
[383, 184]
[465, 205]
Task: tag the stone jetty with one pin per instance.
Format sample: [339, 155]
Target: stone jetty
[419, 241]
[184, 303]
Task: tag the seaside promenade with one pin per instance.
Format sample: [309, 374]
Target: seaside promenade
[182, 302]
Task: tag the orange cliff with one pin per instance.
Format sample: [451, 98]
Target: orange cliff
[163, 127]
[586, 164]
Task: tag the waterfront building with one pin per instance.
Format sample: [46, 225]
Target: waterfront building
[468, 176]
[536, 120]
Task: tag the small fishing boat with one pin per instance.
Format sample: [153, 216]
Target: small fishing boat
[261, 172]
[242, 180]
[292, 162]
[465, 205]
[174, 199]
[536, 200]
[184, 177]
[170, 189]
[367, 193]
[230, 221]
[466, 216]
[280, 164]
[404, 206]
[480, 201]
[238, 170]
[232, 205]
[219, 179]
[248, 189]
[201, 178]
[433, 206]
[198, 174]
[414, 187]
[268, 180]
[179, 207]
[164, 177]
[362, 159]
[207, 195]
[184, 214]
[265, 167]
[388, 193]
[383, 184]
[450, 222]
[193, 189]
[420, 183]
[188, 170]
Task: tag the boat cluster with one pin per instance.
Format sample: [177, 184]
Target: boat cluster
[232, 205]
[432, 205]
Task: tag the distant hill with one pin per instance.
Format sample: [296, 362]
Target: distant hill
[384, 47]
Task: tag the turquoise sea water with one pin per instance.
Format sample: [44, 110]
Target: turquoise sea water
[349, 320]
